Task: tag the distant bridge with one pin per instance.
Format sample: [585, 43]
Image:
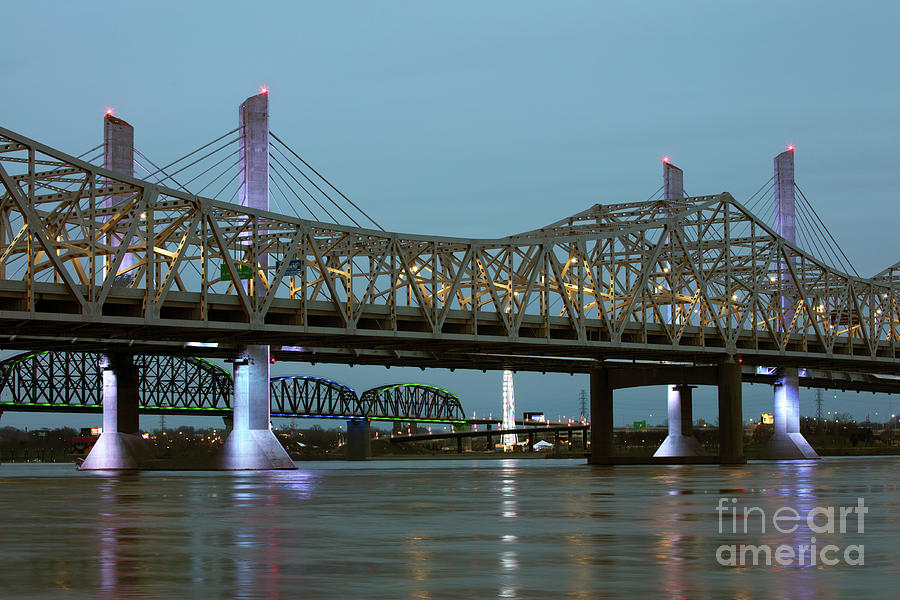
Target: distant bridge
[56, 381]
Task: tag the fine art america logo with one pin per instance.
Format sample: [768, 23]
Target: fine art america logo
[786, 520]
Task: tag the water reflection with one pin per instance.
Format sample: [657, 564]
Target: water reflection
[434, 529]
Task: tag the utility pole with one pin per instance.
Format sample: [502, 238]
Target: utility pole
[819, 405]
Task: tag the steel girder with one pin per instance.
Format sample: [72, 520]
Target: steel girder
[600, 284]
[299, 396]
[412, 402]
[72, 382]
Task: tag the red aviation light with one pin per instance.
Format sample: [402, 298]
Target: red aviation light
[109, 111]
[264, 89]
[790, 147]
[666, 159]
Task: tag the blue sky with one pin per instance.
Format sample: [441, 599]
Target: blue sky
[480, 119]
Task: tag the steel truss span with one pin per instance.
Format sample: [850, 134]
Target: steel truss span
[72, 382]
[423, 402]
[696, 279]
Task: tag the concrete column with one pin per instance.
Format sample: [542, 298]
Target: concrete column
[251, 445]
[601, 416]
[787, 441]
[731, 426]
[490, 437]
[673, 180]
[254, 151]
[678, 398]
[359, 443]
[785, 209]
[120, 445]
[681, 440]
[118, 156]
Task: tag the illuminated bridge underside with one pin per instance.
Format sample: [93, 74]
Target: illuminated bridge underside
[600, 284]
[72, 382]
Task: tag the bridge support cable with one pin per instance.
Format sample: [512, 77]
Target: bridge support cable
[286, 152]
[842, 261]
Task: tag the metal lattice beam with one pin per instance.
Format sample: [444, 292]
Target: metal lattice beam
[412, 402]
[72, 382]
[594, 285]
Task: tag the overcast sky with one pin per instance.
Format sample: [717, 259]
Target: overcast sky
[481, 119]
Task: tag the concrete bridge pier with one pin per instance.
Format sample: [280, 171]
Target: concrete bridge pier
[731, 420]
[787, 442]
[359, 440]
[681, 440]
[251, 445]
[120, 445]
[601, 416]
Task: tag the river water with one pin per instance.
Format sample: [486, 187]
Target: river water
[510, 528]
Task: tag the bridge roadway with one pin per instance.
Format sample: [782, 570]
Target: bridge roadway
[529, 432]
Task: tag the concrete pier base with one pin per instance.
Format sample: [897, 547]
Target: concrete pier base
[681, 440]
[118, 451]
[787, 443]
[254, 449]
[359, 442]
[251, 445]
[120, 445]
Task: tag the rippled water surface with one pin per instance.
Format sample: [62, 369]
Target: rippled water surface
[436, 529]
